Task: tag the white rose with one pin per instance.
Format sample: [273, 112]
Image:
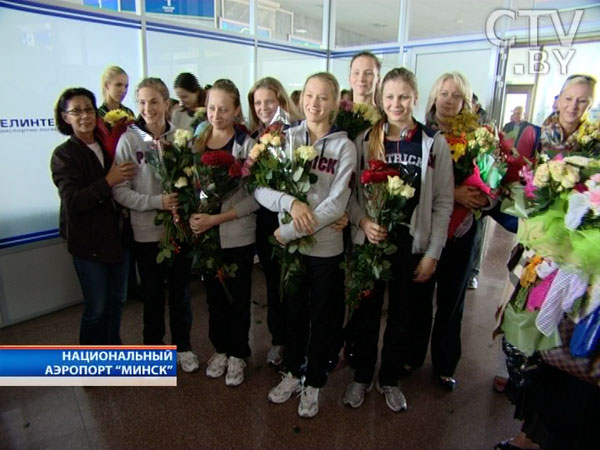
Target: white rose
[556, 169]
[181, 182]
[541, 177]
[581, 161]
[570, 177]
[408, 191]
[306, 153]
[188, 171]
[394, 185]
[182, 137]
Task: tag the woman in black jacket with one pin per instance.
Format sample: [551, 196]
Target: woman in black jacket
[83, 172]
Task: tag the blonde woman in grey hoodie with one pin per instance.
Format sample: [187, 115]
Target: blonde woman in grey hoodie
[312, 319]
[423, 156]
[143, 195]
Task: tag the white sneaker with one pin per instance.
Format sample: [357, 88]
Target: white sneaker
[355, 394]
[216, 365]
[275, 355]
[188, 361]
[309, 402]
[235, 371]
[394, 398]
[288, 385]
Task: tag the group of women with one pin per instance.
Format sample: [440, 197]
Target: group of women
[305, 327]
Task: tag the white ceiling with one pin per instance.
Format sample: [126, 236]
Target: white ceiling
[378, 19]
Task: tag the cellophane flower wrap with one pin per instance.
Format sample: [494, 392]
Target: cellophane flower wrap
[477, 158]
[271, 165]
[385, 195]
[560, 227]
[112, 126]
[356, 117]
[216, 175]
[173, 165]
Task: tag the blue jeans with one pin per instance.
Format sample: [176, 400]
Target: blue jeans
[104, 289]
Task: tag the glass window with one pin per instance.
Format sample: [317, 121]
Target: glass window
[359, 22]
[170, 54]
[301, 21]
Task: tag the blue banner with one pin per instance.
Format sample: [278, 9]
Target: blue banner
[87, 362]
[196, 8]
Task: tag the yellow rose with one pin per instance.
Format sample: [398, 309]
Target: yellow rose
[276, 141]
[188, 171]
[256, 151]
[181, 182]
[458, 150]
[265, 139]
[115, 115]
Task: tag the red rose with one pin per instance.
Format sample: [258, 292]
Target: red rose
[366, 177]
[218, 158]
[235, 170]
[376, 164]
[346, 105]
[275, 128]
[365, 294]
[382, 176]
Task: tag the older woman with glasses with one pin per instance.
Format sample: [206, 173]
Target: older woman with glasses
[84, 174]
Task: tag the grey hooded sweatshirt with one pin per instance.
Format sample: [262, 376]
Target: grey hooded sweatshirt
[143, 193]
[328, 197]
[430, 219]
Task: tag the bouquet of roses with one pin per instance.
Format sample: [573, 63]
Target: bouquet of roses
[562, 211]
[269, 166]
[111, 127]
[588, 138]
[386, 195]
[477, 160]
[356, 117]
[173, 165]
[217, 175]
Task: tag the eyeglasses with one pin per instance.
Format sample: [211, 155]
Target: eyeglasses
[81, 112]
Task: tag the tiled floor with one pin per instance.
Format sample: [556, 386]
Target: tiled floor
[202, 413]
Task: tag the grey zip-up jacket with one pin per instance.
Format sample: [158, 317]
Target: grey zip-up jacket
[143, 193]
[328, 197]
[241, 231]
[430, 219]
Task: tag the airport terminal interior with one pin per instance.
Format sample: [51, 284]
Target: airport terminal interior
[516, 56]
